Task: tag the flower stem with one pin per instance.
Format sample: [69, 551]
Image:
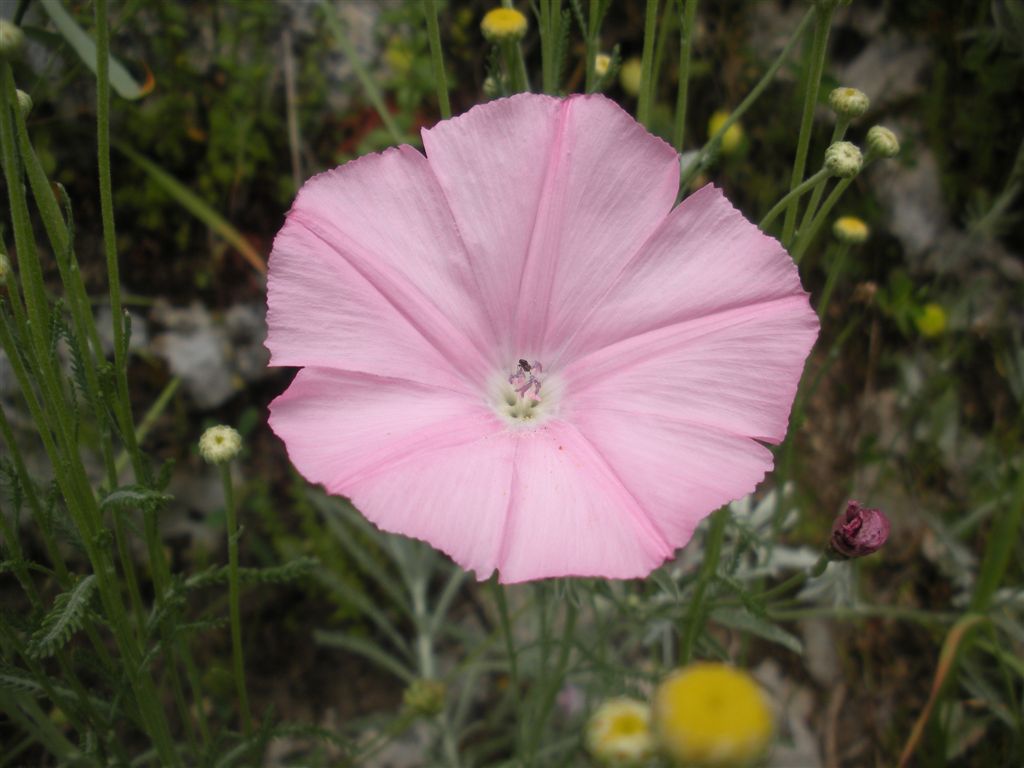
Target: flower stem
[369, 86]
[790, 196]
[744, 105]
[833, 277]
[815, 65]
[842, 122]
[796, 580]
[685, 48]
[437, 56]
[233, 598]
[803, 242]
[643, 110]
[695, 619]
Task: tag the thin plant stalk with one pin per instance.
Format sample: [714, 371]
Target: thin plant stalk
[842, 123]
[747, 102]
[682, 94]
[807, 236]
[794, 194]
[437, 57]
[367, 82]
[643, 110]
[834, 273]
[237, 659]
[713, 551]
[815, 65]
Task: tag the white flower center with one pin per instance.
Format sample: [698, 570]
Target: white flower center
[527, 396]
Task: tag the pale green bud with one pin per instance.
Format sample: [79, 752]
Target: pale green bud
[220, 444]
[848, 102]
[843, 159]
[883, 142]
[12, 39]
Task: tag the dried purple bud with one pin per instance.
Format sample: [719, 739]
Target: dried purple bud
[858, 531]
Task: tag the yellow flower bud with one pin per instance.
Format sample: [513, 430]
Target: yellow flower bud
[503, 24]
[712, 715]
[931, 321]
[850, 229]
[733, 136]
[12, 39]
[630, 75]
[601, 63]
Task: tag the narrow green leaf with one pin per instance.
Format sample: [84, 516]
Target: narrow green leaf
[195, 205]
[367, 649]
[748, 622]
[120, 79]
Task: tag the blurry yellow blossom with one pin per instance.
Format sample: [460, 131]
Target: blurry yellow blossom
[601, 63]
[850, 229]
[619, 733]
[503, 24]
[931, 321]
[712, 715]
[733, 136]
[630, 75]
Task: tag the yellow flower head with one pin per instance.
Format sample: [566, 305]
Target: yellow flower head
[712, 714]
[732, 138]
[220, 444]
[630, 75]
[503, 24]
[619, 733]
[601, 63]
[850, 229]
[931, 321]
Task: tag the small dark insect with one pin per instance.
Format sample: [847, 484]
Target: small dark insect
[524, 365]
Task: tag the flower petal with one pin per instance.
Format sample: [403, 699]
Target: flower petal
[322, 312]
[734, 371]
[678, 472]
[573, 189]
[341, 426]
[705, 258]
[570, 514]
[384, 226]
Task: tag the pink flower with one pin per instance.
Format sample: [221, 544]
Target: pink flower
[515, 349]
[858, 531]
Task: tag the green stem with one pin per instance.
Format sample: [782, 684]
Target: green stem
[814, 67]
[796, 580]
[233, 598]
[643, 110]
[685, 48]
[790, 196]
[999, 548]
[806, 237]
[744, 105]
[515, 66]
[593, 24]
[696, 616]
[369, 86]
[838, 133]
[510, 650]
[834, 272]
[437, 56]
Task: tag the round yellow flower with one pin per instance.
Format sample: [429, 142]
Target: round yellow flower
[630, 75]
[601, 63]
[732, 138]
[850, 229]
[711, 714]
[619, 733]
[931, 321]
[503, 24]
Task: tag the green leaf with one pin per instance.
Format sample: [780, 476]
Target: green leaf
[120, 79]
[748, 622]
[68, 614]
[133, 496]
[195, 205]
[278, 574]
[367, 649]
